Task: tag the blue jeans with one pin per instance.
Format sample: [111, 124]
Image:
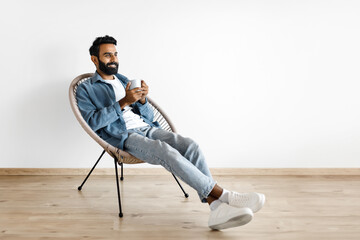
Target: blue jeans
[179, 155]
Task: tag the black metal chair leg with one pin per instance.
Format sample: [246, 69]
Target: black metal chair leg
[118, 188]
[121, 178]
[185, 194]
[80, 187]
[122, 171]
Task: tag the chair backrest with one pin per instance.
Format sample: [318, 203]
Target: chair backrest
[122, 156]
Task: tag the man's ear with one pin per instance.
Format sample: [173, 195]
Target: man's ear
[95, 60]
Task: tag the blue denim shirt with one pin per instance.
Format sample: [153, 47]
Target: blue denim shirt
[97, 104]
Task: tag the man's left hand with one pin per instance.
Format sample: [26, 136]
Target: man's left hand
[145, 91]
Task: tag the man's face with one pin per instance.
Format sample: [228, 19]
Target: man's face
[108, 61]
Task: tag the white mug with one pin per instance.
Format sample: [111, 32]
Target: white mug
[135, 83]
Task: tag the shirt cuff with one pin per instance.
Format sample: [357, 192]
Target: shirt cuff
[140, 105]
[118, 108]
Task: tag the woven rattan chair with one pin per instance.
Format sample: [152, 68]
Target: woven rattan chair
[120, 157]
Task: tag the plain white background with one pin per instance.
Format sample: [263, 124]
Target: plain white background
[255, 83]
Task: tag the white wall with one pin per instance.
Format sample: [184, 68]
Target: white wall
[256, 83]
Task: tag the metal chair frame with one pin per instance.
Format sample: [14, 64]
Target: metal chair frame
[120, 157]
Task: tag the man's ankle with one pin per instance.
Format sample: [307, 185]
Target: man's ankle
[224, 196]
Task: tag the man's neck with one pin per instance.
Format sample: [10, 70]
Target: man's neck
[105, 76]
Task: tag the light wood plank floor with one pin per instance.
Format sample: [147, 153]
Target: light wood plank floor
[297, 207]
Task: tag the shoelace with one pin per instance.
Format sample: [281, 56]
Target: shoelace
[242, 199]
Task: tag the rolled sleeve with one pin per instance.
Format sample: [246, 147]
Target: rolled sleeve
[145, 110]
[118, 109]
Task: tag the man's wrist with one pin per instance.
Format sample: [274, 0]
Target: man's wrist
[143, 100]
[123, 103]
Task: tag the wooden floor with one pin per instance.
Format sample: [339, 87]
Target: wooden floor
[297, 207]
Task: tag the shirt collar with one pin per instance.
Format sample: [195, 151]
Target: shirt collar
[97, 77]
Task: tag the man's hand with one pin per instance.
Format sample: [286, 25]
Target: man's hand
[134, 95]
[145, 91]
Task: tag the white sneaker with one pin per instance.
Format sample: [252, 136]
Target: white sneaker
[254, 201]
[225, 216]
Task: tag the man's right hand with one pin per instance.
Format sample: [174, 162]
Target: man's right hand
[131, 96]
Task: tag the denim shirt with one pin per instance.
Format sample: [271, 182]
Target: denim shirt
[97, 104]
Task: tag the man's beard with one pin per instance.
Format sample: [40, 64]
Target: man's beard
[108, 70]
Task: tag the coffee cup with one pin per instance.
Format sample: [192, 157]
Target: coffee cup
[135, 83]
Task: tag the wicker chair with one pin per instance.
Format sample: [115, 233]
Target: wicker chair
[120, 157]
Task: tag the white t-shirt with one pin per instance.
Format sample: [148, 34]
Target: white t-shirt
[132, 120]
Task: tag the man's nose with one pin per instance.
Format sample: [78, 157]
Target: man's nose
[113, 58]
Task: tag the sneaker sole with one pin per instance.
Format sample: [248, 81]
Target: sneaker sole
[235, 221]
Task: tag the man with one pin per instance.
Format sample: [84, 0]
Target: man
[123, 118]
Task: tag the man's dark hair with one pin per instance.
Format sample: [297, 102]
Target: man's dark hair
[94, 49]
